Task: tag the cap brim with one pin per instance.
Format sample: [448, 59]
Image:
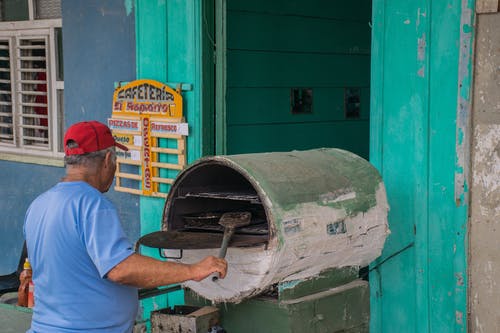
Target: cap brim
[122, 147]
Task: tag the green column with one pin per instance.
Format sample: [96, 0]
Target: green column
[168, 49]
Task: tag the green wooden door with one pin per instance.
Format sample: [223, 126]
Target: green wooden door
[290, 68]
[421, 65]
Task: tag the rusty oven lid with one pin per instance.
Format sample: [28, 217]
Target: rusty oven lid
[197, 240]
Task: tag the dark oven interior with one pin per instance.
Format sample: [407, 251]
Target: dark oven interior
[205, 192]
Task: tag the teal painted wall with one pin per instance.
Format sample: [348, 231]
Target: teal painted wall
[420, 70]
[169, 49]
[274, 46]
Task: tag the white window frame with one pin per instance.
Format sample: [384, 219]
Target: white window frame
[45, 29]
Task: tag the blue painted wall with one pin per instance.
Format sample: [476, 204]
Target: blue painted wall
[99, 49]
[20, 183]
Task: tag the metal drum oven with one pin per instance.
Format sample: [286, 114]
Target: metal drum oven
[311, 211]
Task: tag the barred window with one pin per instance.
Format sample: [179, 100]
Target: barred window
[31, 80]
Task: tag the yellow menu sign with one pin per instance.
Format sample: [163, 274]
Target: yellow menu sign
[147, 97]
[145, 114]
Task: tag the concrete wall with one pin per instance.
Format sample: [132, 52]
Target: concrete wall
[484, 266]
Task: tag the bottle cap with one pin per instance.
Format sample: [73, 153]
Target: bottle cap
[27, 264]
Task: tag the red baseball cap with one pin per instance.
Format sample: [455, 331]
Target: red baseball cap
[90, 136]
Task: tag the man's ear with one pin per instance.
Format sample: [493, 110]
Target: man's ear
[108, 159]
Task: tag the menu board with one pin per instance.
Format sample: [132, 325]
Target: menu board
[147, 117]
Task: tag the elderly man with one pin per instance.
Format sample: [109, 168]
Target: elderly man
[85, 271]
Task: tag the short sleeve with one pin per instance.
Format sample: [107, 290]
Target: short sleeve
[105, 240]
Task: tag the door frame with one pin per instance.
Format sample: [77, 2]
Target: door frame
[220, 77]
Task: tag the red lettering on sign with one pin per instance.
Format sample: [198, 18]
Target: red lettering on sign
[117, 106]
[159, 127]
[146, 155]
[127, 124]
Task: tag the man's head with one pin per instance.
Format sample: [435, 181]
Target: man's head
[90, 136]
[89, 149]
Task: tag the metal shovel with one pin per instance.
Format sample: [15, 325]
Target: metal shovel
[230, 221]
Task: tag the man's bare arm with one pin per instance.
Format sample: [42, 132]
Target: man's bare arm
[145, 272]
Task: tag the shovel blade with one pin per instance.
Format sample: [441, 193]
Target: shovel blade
[235, 219]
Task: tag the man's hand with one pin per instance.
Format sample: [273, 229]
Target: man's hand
[145, 272]
[207, 266]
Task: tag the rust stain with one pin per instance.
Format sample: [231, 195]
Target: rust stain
[460, 279]
[421, 71]
[459, 317]
[421, 47]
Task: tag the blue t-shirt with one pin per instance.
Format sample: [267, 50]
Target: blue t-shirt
[74, 238]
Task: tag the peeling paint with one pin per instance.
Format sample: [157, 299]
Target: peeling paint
[129, 6]
[336, 290]
[421, 47]
[467, 29]
[420, 13]
[289, 284]
[487, 150]
[486, 173]
[464, 104]
[479, 327]
[421, 71]
[330, 197]
[460, 136]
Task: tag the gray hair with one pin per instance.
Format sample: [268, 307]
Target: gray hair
[93, 159]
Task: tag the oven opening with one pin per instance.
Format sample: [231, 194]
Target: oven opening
[204, 194]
